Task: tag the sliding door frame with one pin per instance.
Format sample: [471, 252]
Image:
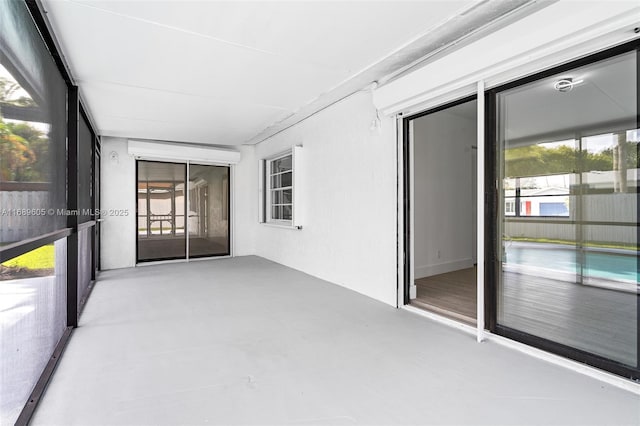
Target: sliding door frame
[186, 176]
[491, 199]
[491, 222]
[230, 198]
[229, 203]
[407, 189]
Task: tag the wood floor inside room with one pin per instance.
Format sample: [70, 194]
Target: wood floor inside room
[452, 295]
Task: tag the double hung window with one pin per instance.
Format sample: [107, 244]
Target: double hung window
[279, 196]
[282, 189]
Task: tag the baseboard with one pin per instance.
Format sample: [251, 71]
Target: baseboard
[442, 268]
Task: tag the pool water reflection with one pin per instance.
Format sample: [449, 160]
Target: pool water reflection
[610, 264]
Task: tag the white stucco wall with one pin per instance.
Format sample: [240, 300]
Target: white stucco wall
[349, 235]
[245, 202]
[444, 189]
[117, 192]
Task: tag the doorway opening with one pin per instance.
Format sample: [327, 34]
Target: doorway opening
[182, 211]
[440, 156]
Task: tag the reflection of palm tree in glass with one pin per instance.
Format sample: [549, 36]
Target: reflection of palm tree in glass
[619, 158]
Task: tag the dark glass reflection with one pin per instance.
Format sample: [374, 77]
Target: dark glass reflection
[208, 210]
[568, 162]
[161, 211]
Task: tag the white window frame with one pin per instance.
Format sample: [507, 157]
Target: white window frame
[270, 189]
[510, 208]
[297, 191]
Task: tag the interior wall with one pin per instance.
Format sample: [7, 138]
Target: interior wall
[349, 235]
[444, 191]
[118, 190]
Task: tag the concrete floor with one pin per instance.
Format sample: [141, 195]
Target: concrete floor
[248, 341]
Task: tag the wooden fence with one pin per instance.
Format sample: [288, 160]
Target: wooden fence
[604, 218]
[23, 210]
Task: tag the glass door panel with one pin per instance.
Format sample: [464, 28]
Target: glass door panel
[161, 211]
[567, 169]
[208, 211]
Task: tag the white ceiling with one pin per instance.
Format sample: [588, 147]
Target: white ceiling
[219, 72]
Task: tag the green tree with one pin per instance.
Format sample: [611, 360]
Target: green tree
[16, 156]
[9, 94]
[537, 160]
[521, 161]
[38, 142]
[631, 155]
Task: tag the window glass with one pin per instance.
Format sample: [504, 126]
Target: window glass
[208, 210]
[32, 319]
[85, 170]
[33, 105]
[281, 164]
[33, 166]
[161, 210]
[282, 196]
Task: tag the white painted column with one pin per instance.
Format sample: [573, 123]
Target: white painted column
[480, 212]
[413, 290]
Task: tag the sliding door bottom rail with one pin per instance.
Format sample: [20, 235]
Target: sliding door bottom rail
[569, 352]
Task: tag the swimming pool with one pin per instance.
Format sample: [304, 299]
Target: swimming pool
[614, 265]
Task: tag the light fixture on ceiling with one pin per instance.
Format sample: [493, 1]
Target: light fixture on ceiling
[566, 84]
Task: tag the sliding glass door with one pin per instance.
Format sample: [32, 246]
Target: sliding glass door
[567, 219]
[161, 211]
[208, 211]
[174, 224]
